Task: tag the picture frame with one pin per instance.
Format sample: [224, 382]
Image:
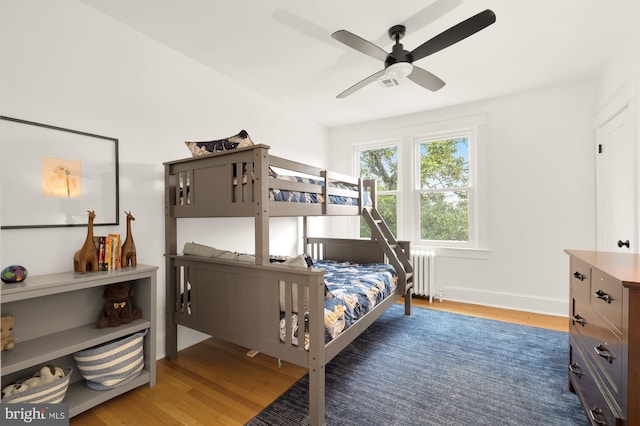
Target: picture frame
[51, 176]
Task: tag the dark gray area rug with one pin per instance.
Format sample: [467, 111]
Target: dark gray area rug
[439, 368]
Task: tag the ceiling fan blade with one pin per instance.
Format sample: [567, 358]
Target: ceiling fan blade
[360, 44]
[455, 34]
[359, 85]
[425, 79]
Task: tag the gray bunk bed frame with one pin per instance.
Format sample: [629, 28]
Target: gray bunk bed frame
[239, 301]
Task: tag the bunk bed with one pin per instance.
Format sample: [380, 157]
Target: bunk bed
[250, 303]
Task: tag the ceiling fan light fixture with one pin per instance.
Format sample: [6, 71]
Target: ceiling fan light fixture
[398, 71]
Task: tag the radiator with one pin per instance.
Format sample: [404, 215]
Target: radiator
[423, 273]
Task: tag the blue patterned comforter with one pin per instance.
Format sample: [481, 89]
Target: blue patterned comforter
[353, 290]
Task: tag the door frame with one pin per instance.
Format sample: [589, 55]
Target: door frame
[623, 98]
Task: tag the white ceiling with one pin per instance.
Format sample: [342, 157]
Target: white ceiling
[284, 50]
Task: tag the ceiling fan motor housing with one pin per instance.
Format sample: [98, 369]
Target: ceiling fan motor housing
[398, 54]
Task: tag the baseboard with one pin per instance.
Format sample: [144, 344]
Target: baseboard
[514, 301]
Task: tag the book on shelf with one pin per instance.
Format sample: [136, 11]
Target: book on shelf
[109, 250]
[116, 250]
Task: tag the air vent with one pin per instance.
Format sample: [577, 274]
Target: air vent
[389, 82]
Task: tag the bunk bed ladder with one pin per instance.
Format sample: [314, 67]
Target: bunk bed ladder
[392, 249]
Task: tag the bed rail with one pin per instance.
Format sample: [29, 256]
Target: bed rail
[241, 305]
[247, 303]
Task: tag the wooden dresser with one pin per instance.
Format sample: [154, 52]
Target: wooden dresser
[604, 338]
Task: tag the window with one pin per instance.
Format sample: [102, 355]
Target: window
[444, 189]
[381, 164]
[426, 194]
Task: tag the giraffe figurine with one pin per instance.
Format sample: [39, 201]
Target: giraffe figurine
[87, 257]
[128, 257]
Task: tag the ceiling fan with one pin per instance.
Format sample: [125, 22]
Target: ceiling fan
[399, 62]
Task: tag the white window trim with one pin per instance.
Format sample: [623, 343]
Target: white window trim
[471, 135]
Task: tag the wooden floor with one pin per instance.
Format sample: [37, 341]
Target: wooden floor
[215, 383]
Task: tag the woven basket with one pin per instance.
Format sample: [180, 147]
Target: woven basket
[52, 393]
[113, 364]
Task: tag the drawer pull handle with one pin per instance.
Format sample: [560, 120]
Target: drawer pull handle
[604, 352]
[596, 411]
[578, 319]
[623, 243]
[603, 296]
[579, 276]
[575, 369]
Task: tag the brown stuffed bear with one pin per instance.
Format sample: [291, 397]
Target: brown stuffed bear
[117, 306]
[8, 342]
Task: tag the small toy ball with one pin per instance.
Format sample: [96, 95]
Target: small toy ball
[14, 274]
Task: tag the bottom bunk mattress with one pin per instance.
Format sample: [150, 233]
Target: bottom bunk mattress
[351, 290]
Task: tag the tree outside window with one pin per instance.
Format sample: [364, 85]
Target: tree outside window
[444, 189]
[381, 164]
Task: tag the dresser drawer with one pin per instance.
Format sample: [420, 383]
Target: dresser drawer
[601, 343]
[580, 277]
[606, 298]
[585, 385]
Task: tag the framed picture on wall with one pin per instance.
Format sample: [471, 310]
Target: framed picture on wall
[51, 176]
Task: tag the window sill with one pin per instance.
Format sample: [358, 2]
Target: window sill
[458, 252]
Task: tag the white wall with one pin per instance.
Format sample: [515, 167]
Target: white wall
[539, 194]
[65, 64]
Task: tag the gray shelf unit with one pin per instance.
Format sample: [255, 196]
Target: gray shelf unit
[56, 316]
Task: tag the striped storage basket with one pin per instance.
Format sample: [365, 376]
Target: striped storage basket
[52, 393]
[113, 364]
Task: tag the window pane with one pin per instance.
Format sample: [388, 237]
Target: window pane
[387, 207]
[444, 216]
[382, 165]
[444, 164]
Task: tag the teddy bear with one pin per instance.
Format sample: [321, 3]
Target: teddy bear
[14, 388]
[6, 326]
[47, 374]
[117, 307]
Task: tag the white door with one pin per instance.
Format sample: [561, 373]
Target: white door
[616, 183]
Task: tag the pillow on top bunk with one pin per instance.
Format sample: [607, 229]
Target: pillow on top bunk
[240, 140]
